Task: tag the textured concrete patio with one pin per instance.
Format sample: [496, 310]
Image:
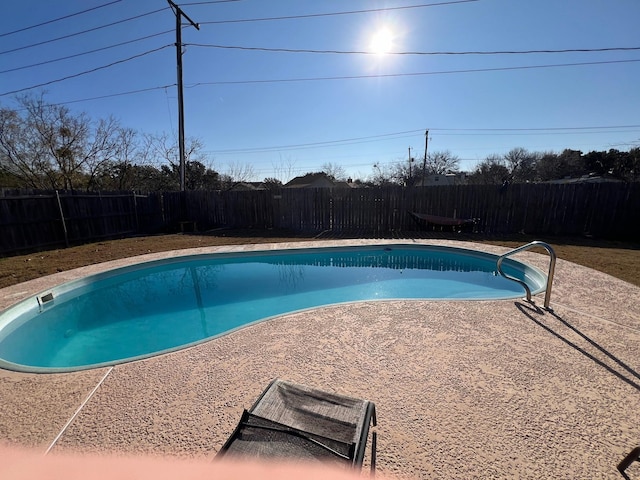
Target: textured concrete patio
[463, 389]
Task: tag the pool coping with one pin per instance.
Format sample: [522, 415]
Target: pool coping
[601, 307]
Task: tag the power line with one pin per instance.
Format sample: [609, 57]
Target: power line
[58, 19]
[85, 72]
[83, 31]
[211, 2]
[394, 135]
[267, 171]
[85, 53]
[349, 52]
[408, 133]
[546, 133]
[119, 94]
[354, 77]
[360, 52]
[418, 74]
[532, 129]
[333, 14]
[109, 95]
[347, 141]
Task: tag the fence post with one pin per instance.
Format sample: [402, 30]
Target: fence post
[64, 224]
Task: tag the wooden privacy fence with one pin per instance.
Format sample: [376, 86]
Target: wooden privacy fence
[38, 220]
[599, 209]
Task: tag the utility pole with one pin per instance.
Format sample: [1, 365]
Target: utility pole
[410, 160]
[424, 162]
[179, 14]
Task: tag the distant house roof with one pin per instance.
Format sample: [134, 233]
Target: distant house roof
[317, 180]
[347, 184]
[248, 186]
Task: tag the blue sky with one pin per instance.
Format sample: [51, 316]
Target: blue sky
[288, 113]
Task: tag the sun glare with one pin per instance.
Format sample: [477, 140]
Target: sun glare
[382, 41]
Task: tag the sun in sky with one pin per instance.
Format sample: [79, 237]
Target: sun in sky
[382, 41]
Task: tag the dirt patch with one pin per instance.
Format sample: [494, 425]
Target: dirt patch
[619, 259]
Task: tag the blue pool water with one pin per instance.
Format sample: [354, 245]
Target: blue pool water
[155, 307]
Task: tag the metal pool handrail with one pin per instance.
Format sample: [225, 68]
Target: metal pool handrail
[552, 269]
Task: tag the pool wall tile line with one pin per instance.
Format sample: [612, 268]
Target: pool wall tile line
[75, 414]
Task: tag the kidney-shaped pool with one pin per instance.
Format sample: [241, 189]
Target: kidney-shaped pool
[150, 308]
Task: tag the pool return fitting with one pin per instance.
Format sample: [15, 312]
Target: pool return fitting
[552, 269]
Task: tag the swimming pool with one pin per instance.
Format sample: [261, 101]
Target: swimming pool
[151, 308]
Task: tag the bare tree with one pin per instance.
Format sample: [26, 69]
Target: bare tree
[396, 173]
[441, 162]
[236, 173]
[122, 152]
[160, 149]
[50, 147]
[132, 160]
[521, 164]
[379, 177]
[19, 159]
[491, 171]
[271, 183]
[284, 170]
[335, 171]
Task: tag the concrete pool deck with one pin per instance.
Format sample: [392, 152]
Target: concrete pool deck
[463, 389]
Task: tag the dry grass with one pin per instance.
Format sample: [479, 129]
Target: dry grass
[619, 259]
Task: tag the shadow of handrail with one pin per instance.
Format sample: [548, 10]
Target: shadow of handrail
[530, 309]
